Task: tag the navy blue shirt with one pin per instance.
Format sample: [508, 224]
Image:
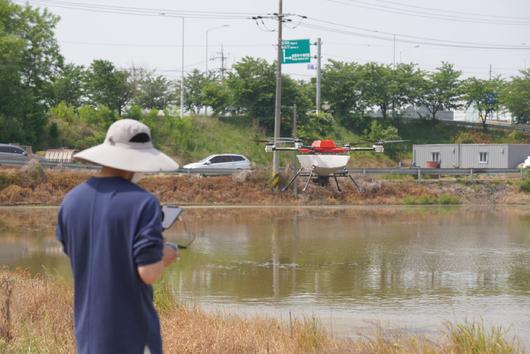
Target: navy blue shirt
[108, 227]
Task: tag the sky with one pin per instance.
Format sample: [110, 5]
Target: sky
[471, 34]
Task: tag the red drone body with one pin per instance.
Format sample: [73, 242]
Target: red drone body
[324, 147]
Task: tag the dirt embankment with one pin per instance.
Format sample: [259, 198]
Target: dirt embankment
[17, 187]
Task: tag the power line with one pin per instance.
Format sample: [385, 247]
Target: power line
[140, 11]
[161, 44]
[400, 35]
[438, 10]
[387, 36]
[431, 15]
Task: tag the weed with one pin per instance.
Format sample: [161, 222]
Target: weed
[525, 186]
[423, 199]
[41, 322]
[472, 337]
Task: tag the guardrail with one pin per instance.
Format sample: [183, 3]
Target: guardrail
[17, 162]
[416, 171]
[48, 164]
[419, 172]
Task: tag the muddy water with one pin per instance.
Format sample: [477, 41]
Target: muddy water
[406, 269]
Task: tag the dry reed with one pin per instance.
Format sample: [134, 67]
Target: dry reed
[37, 318]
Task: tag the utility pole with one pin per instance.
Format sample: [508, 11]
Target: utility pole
[278, 100]
[295, 116]
[319, 63]
[206, 50]
[394, 65]
[182, 75]
[222, 63]
[221, 55]
[490, 72]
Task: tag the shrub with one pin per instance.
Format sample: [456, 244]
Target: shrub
[525, 186]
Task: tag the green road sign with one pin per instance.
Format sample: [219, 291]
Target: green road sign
[296, 51]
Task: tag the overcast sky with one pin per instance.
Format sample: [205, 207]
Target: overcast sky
[154, 41]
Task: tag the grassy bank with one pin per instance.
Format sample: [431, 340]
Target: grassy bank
[36, 317]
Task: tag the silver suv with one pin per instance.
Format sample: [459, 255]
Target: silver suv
[221, 161]
[12, 152]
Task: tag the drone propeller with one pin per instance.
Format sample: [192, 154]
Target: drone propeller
[279, 140]
[381, 142]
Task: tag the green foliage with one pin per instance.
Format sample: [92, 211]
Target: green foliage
[197, 137]
[465, 137]
[194, 95]
[108, 86]
[472, 337]
[218, 96]
[525, 186]
[29, 58]
[69, 86]
[252, 84]
[316, 126]
[341, 88]
[516, 97]
[150, 90]
[484, 96]
[379, 131]
[78, 130]
[441, 90]
[443, 199]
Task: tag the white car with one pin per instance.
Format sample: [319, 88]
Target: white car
[525, 164]
[222, 161]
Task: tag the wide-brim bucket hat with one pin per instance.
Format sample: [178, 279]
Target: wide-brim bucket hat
[128, 147]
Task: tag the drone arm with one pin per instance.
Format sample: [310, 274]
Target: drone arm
[376, 148]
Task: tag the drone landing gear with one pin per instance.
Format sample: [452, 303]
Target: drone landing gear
[355, 183]
[292, 180]
[322, 180]
[337, 183]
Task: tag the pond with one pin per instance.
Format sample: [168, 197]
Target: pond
[353, 268]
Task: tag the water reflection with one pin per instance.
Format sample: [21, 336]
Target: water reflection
[357, 255]
[382, 263]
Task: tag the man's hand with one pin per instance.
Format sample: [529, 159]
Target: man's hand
[170, 254]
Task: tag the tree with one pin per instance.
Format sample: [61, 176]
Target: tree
[341, 88]
[218, 96]
[69, 86]
[441, 90]
[29, 59]
[405, 87]
[252, 83]
[150, 90]
[484, 96]
[375, 83]
[108, 85]
[194, 99]
[516, 97]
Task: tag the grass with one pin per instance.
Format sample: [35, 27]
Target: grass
[525, 186]
[473, 337]
[423, 199]
[36, 317]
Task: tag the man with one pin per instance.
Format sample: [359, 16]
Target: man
[111, 230]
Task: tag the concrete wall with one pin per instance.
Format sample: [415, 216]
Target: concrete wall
[517, 153]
